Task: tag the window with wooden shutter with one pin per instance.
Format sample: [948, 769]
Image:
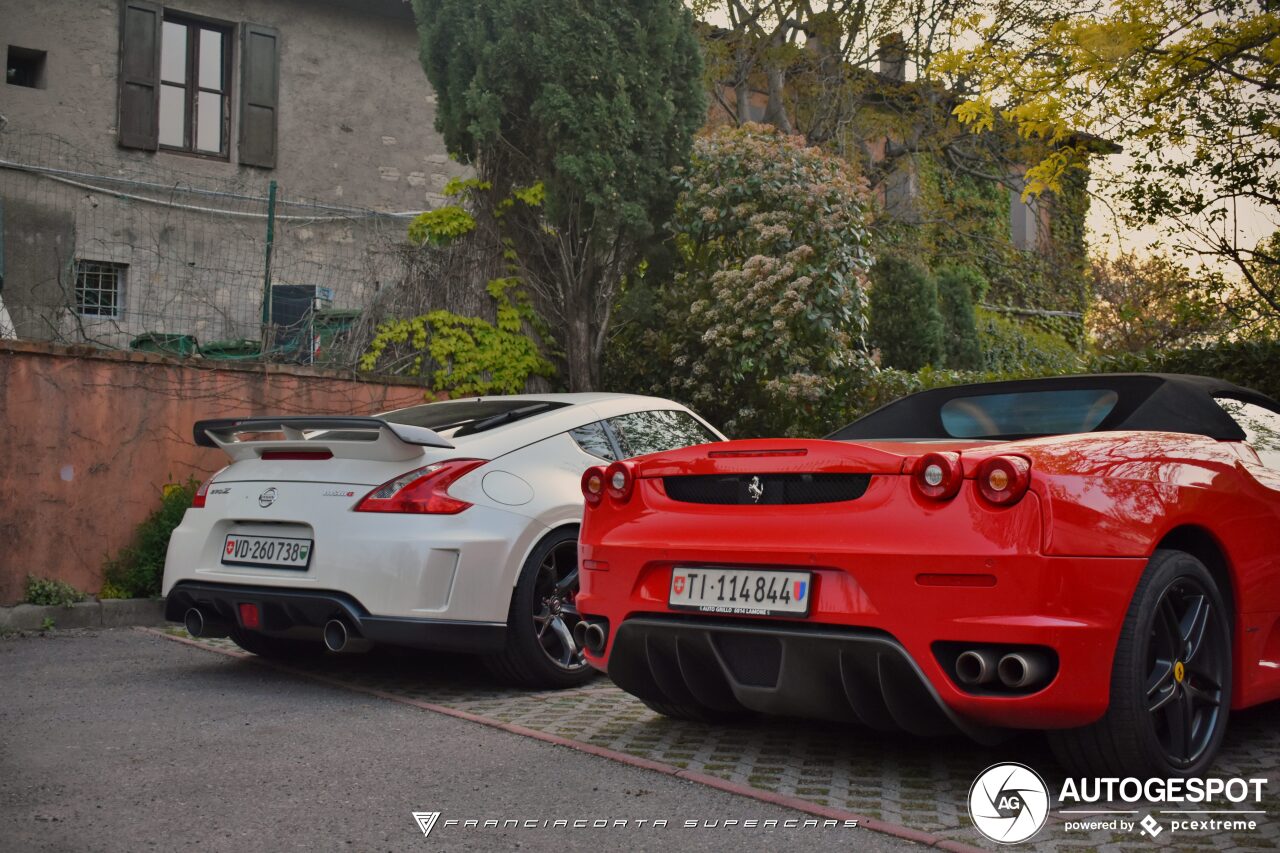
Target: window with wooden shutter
[138, 117]
[195, 86]
[260, 95]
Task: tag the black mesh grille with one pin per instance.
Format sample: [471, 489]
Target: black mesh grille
[767, 488]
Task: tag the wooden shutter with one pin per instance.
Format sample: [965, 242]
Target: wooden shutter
[260, 98]
[139, 101]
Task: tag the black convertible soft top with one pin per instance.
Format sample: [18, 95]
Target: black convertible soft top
[1156, 402]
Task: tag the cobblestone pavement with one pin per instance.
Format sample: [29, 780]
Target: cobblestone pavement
[919, 783]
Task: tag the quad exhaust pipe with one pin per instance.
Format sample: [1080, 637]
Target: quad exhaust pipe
[590, 636]
[1020, 670]
[198, 625]
[976, 666]
[340, 639]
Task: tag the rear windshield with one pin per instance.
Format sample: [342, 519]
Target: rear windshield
[1027, 413]
[455, 418]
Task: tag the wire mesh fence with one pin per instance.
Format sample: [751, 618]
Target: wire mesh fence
[142, 255]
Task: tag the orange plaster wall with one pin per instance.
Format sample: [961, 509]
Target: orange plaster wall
[88, 439]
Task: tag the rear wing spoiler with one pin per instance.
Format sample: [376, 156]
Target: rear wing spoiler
[364, 438]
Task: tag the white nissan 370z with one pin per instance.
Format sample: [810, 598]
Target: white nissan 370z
[448, 526]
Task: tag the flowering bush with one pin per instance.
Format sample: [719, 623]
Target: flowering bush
[761, 326]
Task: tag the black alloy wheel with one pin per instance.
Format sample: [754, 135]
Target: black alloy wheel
[540, 649]
[1170, 692]
[1187, 662]
[554, 610]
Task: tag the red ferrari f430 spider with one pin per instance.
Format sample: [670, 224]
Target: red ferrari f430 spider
[1095, 556]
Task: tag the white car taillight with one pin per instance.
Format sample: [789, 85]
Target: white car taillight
[423, 490]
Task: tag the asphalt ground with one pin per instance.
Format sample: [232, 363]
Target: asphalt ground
[120, 740]
[916, 787]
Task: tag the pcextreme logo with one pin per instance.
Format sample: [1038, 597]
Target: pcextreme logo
[1008, 803]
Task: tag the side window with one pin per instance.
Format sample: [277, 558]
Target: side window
[1261, 428]
[651, 432]
[592, 439]
[175, 84]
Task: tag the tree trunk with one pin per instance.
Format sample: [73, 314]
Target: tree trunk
[776, 113]
[580, 362]
[742, 95]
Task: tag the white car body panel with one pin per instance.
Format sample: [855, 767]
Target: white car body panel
[459, 568]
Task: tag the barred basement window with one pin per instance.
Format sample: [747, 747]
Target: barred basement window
[99, 288]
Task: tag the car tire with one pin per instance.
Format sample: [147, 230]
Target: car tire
[274, 648]
[542, 602]
[694, 713]
[1172, 664]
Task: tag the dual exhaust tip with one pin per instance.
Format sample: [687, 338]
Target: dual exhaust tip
[338, 637]
[1019, 670]
[589, 636]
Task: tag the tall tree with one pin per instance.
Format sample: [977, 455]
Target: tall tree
[597, 101]
[906, 325]
[1190, 87]
[957, 289]
[767, 294]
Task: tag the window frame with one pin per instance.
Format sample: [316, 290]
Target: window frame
[192, 88]
[121, 271]
[610, 439]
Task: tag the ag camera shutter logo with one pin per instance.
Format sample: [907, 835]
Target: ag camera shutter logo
[1008, 803]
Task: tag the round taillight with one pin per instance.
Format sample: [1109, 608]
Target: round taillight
[937, 476]
[593, 485]
[618, 481]
[1003, 480]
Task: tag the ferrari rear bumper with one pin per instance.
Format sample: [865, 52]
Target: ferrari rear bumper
[840, 674]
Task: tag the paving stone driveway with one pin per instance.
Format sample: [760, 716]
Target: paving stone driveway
[918, 783]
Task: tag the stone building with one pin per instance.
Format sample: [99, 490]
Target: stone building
[141, 146]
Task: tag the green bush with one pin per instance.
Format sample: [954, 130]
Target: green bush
[904, 321]
[51, 593]
[1010, 347]
[759, 324]
[465, 356]
[957, 288]
[1249, 363]
[136, 572]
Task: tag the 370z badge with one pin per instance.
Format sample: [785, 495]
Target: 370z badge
[1009, 803]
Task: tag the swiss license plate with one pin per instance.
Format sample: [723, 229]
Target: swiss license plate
[748, 592]
[280, 552]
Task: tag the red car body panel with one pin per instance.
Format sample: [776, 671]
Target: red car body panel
[1056, 569]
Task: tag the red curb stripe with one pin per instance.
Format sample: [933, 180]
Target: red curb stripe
[958, 847]
[872, 824]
